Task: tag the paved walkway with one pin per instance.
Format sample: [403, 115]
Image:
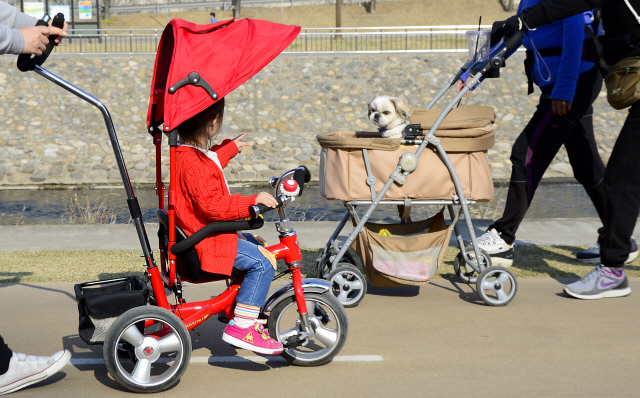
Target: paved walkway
[570, 232]
[434, 341]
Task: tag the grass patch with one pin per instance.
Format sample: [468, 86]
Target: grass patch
[89, 265]
[68, 266]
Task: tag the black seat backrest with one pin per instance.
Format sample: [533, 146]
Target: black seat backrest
[187, 263]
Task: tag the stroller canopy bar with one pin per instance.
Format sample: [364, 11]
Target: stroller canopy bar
[223, 55]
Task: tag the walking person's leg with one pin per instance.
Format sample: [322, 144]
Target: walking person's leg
[532, 153]
[622, 186]
[586, 163]
[5, 356]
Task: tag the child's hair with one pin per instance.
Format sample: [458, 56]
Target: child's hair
[213, 14]
[196, 130]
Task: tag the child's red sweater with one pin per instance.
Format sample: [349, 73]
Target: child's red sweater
[202, 197]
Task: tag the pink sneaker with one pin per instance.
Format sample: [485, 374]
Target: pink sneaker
[254, 339]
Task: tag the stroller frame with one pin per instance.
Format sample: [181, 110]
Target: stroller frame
[470, 266]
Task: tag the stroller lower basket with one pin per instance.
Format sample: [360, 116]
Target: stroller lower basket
[101, 302]
[403, 254]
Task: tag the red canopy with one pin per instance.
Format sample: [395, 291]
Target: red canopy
[224, 55]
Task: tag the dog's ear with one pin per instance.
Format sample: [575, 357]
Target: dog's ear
[376, 95]
[402, 107]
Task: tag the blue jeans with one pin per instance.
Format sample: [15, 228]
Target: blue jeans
[258, 272]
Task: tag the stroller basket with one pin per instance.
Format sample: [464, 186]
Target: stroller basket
[403, 254]
[349, 159]
[101, 302]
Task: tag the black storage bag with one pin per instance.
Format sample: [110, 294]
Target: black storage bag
[101, 302]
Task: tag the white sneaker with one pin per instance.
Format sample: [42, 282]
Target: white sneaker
[25, 370]
[500, 252]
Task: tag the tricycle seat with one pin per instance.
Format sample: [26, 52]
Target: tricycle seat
[187, 262]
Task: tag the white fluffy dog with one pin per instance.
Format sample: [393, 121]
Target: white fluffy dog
[390, 114]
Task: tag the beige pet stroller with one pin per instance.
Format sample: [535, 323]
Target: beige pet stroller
[442, 161]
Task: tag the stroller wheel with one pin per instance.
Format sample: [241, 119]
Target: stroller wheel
[465, 273]
[497, 286]
[147, 349]
[328, 320]
[348, 284]
[325, 260]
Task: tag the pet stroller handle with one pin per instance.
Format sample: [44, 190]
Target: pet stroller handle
[25, 61]
[494, 61]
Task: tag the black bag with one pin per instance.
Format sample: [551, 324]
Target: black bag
[101, 302]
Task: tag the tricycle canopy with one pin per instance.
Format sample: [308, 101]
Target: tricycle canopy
[196, 65]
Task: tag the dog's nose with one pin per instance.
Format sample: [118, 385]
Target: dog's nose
[376, 116]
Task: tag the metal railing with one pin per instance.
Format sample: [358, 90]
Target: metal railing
[161, 5]
[309, 41]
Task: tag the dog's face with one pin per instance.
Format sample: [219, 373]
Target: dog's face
[387, 112]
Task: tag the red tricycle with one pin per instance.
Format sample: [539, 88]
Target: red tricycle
[147, 346]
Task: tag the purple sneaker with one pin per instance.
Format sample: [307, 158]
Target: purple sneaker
[600, 283]
[254, 338]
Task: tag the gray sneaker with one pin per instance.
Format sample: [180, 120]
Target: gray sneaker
[600, 283]
[592, 254]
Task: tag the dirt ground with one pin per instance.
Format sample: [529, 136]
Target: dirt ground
[388, 13]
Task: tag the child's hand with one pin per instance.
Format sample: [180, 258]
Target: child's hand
[239, 143]
[266, 199]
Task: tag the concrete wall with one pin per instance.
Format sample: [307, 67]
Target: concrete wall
[48, 136]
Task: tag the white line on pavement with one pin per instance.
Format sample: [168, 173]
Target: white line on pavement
[239, 359]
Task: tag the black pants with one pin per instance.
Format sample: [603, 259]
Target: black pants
[622, 186]
[540, 141]
[5, 356]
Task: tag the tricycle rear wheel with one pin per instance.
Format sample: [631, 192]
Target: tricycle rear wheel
[147, 349]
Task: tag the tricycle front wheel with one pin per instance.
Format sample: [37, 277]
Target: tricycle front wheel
[328, 320]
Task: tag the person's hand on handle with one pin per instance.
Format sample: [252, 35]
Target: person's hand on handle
[239, 143]
[266, 199]
[496, 32]
[58, 32]
[560, 107]
[36, 39]
[514, 24]
[460, 85]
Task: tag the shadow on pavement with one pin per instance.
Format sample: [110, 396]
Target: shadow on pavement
[13, 277]
[71, 296]
[456, 287]
[400, 291]
[50, 380]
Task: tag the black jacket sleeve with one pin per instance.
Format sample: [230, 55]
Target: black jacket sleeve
[548, 11]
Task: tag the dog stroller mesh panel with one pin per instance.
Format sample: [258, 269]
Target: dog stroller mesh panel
[403, 254]
[466, 135]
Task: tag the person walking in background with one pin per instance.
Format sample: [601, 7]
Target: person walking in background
[213, 17]
[565, 70]
[622, 175]
[19, 35]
